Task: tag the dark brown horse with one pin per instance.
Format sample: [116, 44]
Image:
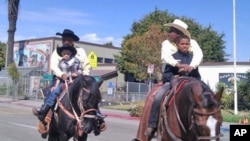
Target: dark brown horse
[190, 112]
[76, 113]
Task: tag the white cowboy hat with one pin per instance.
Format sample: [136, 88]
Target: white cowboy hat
[180, 25]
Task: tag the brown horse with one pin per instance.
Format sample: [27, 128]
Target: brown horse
[190, 112]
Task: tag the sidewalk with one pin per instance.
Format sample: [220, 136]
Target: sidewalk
[110, 113]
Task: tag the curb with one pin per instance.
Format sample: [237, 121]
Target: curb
[107, 112]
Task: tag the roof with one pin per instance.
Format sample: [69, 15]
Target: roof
[223, 63]
[81, 42]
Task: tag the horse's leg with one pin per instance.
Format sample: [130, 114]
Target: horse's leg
[83, 137]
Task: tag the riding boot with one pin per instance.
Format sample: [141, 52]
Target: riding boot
[43, 111]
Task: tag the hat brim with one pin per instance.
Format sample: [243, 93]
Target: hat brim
[73, 36]
[70, 48]
[184, 31]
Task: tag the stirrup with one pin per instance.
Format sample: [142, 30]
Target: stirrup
[99, 115]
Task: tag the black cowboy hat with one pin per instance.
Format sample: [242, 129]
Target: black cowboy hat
[68, 33]
[66, 47]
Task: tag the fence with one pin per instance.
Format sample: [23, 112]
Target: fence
[30, 88]
[5, 85]
[127, 92]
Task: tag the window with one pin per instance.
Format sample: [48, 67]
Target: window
[100, 60]
[108, 60]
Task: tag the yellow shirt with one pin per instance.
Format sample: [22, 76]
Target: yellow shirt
[169, 48]
[81, 55]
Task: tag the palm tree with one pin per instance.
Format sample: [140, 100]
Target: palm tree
[13, 6]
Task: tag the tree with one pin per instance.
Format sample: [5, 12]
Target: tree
[143, 45]
[2, 54]
[140, 51]
[109, 44]
[13, 6]
[244, 93]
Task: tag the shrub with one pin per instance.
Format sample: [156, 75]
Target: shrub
[136, 109]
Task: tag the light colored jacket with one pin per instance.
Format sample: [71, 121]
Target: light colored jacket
[81, 55]
[169, 48]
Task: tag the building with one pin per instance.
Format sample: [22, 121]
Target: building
[35, 53]
[213, 73]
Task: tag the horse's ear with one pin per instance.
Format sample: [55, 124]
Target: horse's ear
[100, 81]
[218, 95]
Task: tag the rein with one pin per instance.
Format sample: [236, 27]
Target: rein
[169, 132]
[206, 114]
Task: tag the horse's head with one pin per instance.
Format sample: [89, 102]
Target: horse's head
[207, 116]
[85, 99]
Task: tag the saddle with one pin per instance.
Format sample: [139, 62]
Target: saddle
[175, 85]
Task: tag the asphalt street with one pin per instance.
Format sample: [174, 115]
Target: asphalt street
[18, 124]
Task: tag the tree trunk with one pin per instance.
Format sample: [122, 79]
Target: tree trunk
[13, 6]
[15, 86]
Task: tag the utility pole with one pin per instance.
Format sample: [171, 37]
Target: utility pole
[235, 60]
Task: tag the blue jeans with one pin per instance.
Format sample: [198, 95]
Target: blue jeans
[51, 97]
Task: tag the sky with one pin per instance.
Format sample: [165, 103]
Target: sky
[102, 21]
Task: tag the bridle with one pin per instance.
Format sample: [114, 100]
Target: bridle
[83, 111]
[191, 127]
[199, 113]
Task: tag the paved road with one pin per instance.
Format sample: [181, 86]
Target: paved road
[18, 124]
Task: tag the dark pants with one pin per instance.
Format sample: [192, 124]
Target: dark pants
[154, 114]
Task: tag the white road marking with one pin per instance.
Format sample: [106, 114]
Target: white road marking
[22, 125]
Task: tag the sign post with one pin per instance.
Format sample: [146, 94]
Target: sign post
[92, 60]
[150, 71]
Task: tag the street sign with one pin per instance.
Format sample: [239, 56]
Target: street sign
[151, 68]
[92, 59]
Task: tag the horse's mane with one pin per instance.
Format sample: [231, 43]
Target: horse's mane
[207, 96]
[92, 95]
